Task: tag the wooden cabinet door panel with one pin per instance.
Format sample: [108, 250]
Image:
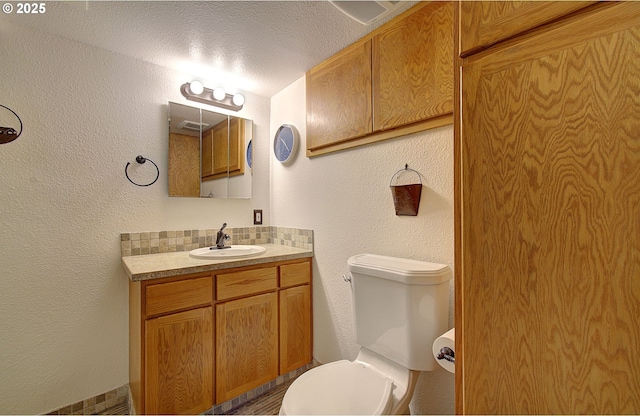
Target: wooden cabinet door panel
[339, 97]
[295, 328]
[184, 165]
[551, 221]
[483, 23]
[247, 344]
[179, 363]
[413, 68]
[207, 154]
[221, 149]
[236, 146]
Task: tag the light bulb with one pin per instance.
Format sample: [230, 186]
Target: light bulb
[238, 99]
[196, 87]
[219, 94]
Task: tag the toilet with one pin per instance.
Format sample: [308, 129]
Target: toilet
[400, 307]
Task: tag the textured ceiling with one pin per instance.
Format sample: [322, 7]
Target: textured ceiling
[255, 46]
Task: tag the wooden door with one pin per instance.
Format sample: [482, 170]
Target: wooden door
[179, 363]
[295, 328]
[548, 314]
[246, 344]
[483, 23]
[413, 68]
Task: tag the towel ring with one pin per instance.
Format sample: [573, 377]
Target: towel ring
[141, 160]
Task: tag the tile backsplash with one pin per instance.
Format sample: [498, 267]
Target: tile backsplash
[152, 242]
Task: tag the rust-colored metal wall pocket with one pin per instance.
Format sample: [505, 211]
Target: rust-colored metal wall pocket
[406, 198]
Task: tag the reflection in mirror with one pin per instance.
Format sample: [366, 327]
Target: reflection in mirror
[207, 153]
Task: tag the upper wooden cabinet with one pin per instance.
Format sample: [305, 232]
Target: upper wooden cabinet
[395, 81]
[413, 68]
[339, 97]
[483, 23]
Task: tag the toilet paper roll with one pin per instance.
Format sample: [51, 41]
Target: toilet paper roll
[445, 357]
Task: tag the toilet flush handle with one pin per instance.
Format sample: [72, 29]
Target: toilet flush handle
[346, 278]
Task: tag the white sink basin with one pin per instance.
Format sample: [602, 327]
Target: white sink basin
[214, 253]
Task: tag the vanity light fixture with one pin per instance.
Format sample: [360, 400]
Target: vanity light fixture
[195, 91]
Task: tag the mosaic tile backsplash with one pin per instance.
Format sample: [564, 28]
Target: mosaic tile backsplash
[153, 242]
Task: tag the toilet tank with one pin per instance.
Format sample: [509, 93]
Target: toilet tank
[400, 307]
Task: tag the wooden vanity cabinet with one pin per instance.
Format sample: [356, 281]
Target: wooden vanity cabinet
[395, 81]
[203, 339]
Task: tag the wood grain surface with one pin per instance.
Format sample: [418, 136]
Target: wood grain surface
[247, 344]
[295, 328]
[413, 68]
[184, 165]
[179, 363]
[339, 97]
[551, 220]
[483, 23]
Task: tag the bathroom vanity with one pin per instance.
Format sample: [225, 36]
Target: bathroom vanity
[203, 332]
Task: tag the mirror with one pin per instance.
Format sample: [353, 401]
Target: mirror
[209, 153]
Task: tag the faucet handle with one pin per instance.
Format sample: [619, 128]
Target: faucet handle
[223, 226]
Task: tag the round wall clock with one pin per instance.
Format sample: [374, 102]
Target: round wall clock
[250, 154]
[285, 144]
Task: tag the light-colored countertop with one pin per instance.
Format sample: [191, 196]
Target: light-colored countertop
[155, 266]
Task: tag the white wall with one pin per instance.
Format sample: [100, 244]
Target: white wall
[345, 198]
[65, 200]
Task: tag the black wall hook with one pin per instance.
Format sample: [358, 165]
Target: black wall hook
[141, 160]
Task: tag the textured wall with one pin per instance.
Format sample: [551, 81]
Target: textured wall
[65, 200]
[345, 198]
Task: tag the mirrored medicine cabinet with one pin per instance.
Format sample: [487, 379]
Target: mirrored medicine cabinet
[209, 153]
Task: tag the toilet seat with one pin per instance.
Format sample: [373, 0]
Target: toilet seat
[342, 387]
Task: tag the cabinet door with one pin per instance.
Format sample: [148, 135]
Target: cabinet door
[339, 97]
[413, 68]
[551, 221]
[246, 344]
[483, 23]
[179, 363]
[295, 328]
[207, 154]
[236, 146]
[184, 165]
[220, 149]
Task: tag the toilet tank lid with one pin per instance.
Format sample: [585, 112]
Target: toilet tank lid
[407, 271]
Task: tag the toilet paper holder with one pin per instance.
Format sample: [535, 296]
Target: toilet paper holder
[446, 353]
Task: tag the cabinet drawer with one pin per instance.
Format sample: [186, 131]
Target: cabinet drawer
[181, 294]
[244, 283]
[295, 274]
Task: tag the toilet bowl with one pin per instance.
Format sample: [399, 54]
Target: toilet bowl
[400, 306]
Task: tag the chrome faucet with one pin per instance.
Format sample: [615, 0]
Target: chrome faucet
[221, 237]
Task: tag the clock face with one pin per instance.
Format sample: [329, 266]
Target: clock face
[250, 154]
[285, 143]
